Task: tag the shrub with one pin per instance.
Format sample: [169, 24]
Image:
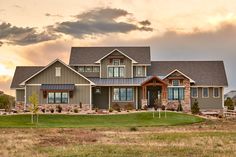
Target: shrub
[229, 103]
[43, 110]
[180, 108]
[133, 129]
[110, 110]
[116, 107]
[195, 108]
[59, 108]
[163, 107]
[145, 107]
[51, 110]
[5, 102]
[76, 110]
[129, 106]
[96, 109]
[80, 105]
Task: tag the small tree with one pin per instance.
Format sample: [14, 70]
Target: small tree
[5, 102]
[180, 108]
[33, 99]
[229, 103]
[195, 108]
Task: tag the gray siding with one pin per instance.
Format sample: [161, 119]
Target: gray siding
[20, 95]
[48, 76]
[81, 94]
[134, 71]
[106, 61]
[101, 100]
[208, 103]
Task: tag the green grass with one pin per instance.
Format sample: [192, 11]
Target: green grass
[143, 119]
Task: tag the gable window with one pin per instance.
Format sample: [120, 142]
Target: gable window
[116, 61]
[81, 69]
[205, 92]
[96, 69]
[194, 92]
[123, 94]
[58, 71]
[175, 83]
[139, 71]
[58, 98]
[175, 93]
[216, 92]
[115, 71]
[88, 69]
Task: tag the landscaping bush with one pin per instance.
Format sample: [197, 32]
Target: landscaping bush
[133, 129]
[80, 105]
[180, 108]
[229, 103]
[51, 110]
[195, 108]
[129, 106]
[116, 107]
[110, 110]
[76, 110]
[145, 107]
[163, 107]
[59, 108]
[5, 102]
[43, 110]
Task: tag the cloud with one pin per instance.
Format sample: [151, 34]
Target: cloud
[145, 23]
[98, 21]
[23, 35]
[5, 82]
[53, 15]
[1, 43]
[17, 6]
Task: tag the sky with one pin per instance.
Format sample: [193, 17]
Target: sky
[36, 32]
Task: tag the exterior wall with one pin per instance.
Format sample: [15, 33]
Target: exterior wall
[186, 104]
[134, 71]
[20, 95]
[101, 100]
[80, 94]
[126, 61]
[122, 104]
[211, 102]
[48, 76]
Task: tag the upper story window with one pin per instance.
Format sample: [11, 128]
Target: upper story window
[81, 69]
[139, 71]
[116, 61]
[175, 83]
[205, 92]
[58, 71]
[194, 92]
[216, 92]
[88, 69]
[115, 71]
[96, 69]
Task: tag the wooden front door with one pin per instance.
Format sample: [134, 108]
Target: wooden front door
[154, 96]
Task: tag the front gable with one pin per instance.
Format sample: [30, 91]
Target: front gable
[178, 75]
[48, 75]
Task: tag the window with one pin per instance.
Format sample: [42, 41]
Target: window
[123, 94]
[58, 98]
[175, 83]
[216, 92]
[88, 69]
[115, 71]
[205, 92]
[176, 93]
[139, 71]
[116, 61]
[81, 69]
[194, 92]
[58, 71]
[96, 69]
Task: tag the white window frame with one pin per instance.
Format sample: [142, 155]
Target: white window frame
[207, 92]
[213, 93]
[116, 66]
[139, 67]
[118, 101]
[58, 71]
[197, 92]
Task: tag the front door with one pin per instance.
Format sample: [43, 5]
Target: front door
[154, 96]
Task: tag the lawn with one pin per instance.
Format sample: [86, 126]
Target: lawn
[142, 119]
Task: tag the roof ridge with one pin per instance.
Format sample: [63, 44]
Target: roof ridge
[190, 61]
[110, 47]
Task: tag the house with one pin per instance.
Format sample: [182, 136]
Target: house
[103, 76]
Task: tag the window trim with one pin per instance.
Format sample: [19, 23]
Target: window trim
[115, 66]
[54, 98]
[58, 71]
[213, 93]
[133, 92]
[191, 92]
[207, 92]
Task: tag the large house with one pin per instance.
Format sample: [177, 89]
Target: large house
[103, 76]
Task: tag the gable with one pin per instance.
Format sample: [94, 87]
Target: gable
[48, 75]
[178, 75]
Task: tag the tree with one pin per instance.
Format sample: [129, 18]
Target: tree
[33, 99]
[229, 103]
[5, 102]
[195, 108]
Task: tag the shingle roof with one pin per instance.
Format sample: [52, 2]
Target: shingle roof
[63, 87]
[89, 55]
[204, 73]
[22, 73]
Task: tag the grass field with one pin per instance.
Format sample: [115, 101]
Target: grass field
[119, 120]
[166, 138]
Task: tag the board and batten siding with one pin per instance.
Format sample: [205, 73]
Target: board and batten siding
[106, 61]
[20, 95]
[48, 76]
[210, 102]
[80, 94]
